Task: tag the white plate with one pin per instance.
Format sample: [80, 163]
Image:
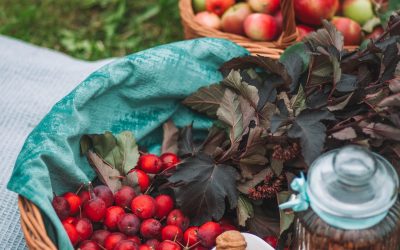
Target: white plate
[255, 243]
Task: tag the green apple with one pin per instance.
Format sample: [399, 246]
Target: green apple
[199, 5]
[358, 10]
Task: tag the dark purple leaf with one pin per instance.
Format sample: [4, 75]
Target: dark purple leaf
[263, 224]
[294, 65]
[347, 83]
[215, 138]
[170, 138]
[206, 99]
[201, 187]
[185, 142]
[325, 37]
[311, 131]
[391, 101]
[107, 174]
[235, 83]
[389, 62]
[318, 98]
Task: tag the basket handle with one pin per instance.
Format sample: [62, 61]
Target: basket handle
[289, 31]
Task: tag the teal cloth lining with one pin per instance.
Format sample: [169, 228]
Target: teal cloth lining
[137, 93]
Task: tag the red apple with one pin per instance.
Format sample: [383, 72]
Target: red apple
[350, 29]
[208, 19]
[377, 32]
[264, 6]
[314, 11]
[358, 10]
[233, 19]
[279, 19]
[218, 6]
[261, 27]
[303, 30]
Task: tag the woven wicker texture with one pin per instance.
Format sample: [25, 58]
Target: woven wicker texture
[32, 225]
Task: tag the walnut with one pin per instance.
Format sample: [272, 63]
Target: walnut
[231, 240]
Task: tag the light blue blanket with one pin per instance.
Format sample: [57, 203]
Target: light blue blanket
[32, 80]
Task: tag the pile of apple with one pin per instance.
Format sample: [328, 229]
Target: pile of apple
[261, 20]
[97, 219]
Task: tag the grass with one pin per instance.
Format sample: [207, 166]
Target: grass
[92, 29]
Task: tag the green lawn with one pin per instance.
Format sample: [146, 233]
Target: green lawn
[92, 29]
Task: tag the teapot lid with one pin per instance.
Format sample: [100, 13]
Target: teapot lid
[353, 183]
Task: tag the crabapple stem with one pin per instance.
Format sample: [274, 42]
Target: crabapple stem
[195, 244]
[80, 187]
[90, 189]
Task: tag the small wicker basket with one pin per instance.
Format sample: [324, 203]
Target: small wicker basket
[289, 34]
[273, 50]
[33, 227]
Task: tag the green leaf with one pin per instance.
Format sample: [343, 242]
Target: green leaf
[286, 219]
[392, 6]
[311, 131]
[244, 210]
[230, 113]
[170, 138]
[234, 81]
[119, 151]
[107, 174]
[202, 186]
[206, 100]
[128, 148]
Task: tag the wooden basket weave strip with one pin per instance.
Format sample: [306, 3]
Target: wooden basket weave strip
[289, 35]
[33, 227]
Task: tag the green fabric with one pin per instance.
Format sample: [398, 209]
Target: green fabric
[138, 93]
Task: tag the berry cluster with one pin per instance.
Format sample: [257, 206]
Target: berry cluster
[286, 154]
[268, 188]
[97, 219]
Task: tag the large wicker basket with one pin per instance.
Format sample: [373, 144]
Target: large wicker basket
[288, 37]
